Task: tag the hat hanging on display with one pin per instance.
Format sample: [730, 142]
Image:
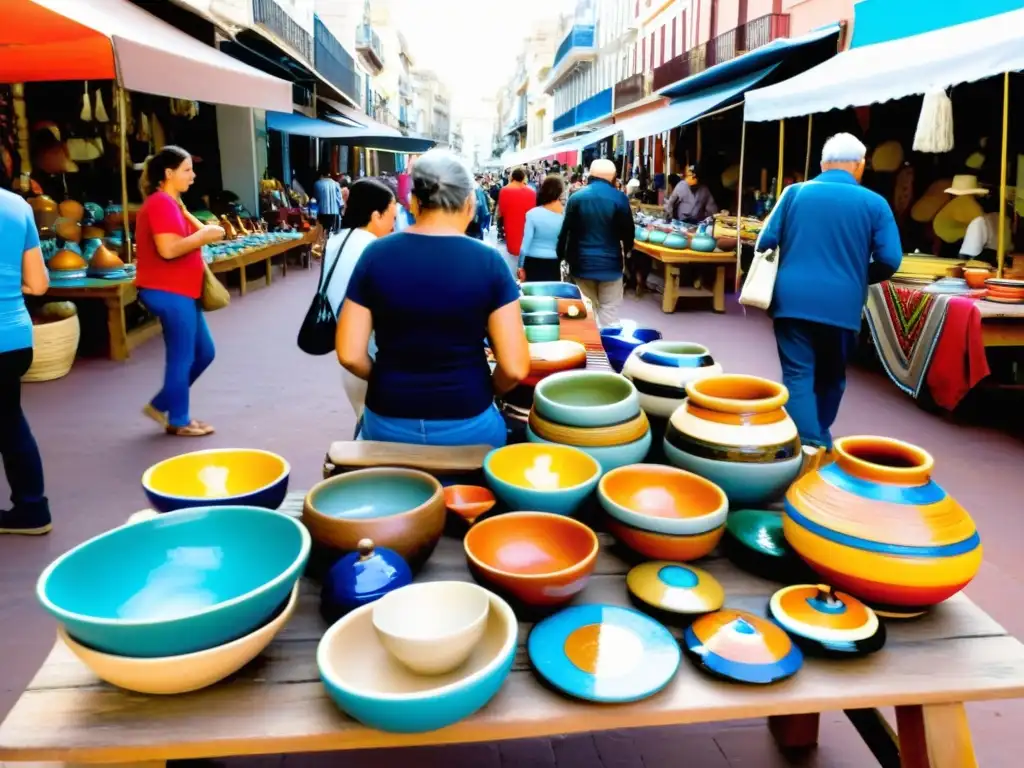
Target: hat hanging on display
[935, 125]
[931, 202]
[950, 223]
[965, 184]
[887, 157]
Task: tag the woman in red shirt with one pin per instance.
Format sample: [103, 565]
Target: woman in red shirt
[170, 281]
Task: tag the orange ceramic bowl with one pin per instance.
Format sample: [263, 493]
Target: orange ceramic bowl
[660, 499]
[538, 558]
[976, 277]
[663, 546]
[469, 501]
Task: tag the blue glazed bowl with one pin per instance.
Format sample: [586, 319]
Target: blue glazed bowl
[552, 288]
[586, 398]
[541, 318]
[608, 456]
[220, 476]
[536, 334]
[177, 583]
[620, 340]
[541, 477]
[369, 685]
[538, 303]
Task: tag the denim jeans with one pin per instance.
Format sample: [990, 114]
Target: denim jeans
[189, 350]
[22, 463]
[486, 429]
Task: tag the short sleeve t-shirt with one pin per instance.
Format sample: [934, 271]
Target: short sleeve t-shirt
[17, 235]
[513, 204]
[161, 215]
[430, 297]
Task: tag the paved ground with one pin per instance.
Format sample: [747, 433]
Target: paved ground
[262, 392]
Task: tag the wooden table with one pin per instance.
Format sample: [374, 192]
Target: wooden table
[672, 258]
[1002, 325]
[116, 295]
[277, 704]
[265, 254]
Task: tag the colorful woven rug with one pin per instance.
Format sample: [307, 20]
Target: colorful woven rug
[905, 325]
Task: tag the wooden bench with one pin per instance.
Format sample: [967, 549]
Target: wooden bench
[277, 704]
[673, 258]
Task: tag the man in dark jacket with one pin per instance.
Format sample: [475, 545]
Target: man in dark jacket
[597, 231]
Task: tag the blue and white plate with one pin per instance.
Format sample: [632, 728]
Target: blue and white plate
[604, 653]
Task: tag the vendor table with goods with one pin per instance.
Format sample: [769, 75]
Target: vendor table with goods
[243, 256]
[673, 258]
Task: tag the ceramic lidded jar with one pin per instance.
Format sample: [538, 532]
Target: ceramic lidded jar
[733, 430]
[875, 524]
[362, 577]
[660, 371]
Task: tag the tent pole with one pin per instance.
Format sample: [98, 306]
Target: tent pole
[739, 206]
[807, 162]
[1002, 176]
[122, 118]
[782, 152]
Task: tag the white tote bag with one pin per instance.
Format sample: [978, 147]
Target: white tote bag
[760, 283]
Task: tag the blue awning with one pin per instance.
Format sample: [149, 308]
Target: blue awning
[301, 125]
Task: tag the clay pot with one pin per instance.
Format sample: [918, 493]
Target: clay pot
[660, 370]
[44, 210]
[726, 243]
[677, 240]
[92, 232]
[69, 230]
[734, 431]
[66, 261]
[105, 260]
[72, 209]
[875, 524]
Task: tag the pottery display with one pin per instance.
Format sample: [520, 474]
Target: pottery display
[541, 477]
[44, 211]
[401, 509]
[469, 501]
[589, 437]
[103, 259]
[603, 653]
[540, 318]
[557, 289]
[640, 233]
[188, 672]
[754, 541]
[657, 237]
[66, 261]
[662, 499]
[873, 523]
[68, 230]
[664, 546]
[433, 627]
[538, 303]
[536, 558]
[734, 431]
[586, 399]
[826, 623]
[660, 371]
[362, 577]
[92, 232]
[71, 209]
[703, 240]
[741, 647]
[550, 357]
[366, 683]
[608, 456]
[620, 340]
[677, 240]
[537, 334]
[177, 583]
[725, 243]
[219, 476]
[674, 588]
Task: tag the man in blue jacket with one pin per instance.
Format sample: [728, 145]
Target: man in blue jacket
[834, 238]
[596, 232]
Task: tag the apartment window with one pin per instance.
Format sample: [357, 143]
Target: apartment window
[663, 57]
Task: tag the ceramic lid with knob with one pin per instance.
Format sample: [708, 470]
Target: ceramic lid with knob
[362, 577]
[739, 646]
[675, 588]
[826, 622]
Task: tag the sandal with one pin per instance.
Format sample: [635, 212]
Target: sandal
[192, 429]
[150, 412]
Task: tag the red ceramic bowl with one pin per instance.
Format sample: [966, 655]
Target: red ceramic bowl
[468, 501]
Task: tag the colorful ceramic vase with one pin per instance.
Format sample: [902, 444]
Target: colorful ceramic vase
[734, 431]
[360, 578]
[660, 371]
[675, 588]
[741, 647]
[875, 524]
[826, 623]
[620, 340]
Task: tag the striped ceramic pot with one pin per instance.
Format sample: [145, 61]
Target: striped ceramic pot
[660, 370]
[875, 524]
[734, 431]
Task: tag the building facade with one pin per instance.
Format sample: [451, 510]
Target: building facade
[431, 107]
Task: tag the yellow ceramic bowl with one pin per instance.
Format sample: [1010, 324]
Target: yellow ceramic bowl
[181, 674]
[541, 477]
[221, 476]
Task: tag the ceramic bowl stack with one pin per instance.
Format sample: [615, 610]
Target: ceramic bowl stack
[1004, 291]
[541, 477]
[662, 512]
[619, 341]
[595, 411]
[552, 288]
[176, 602]
[660, 371]
[541, 326]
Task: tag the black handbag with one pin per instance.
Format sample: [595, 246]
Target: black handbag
[316, 336]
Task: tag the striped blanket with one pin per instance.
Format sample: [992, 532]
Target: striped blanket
[905, 325]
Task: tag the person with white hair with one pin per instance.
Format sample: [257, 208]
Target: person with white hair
[596, 234]
[834, 238]
[431, 295]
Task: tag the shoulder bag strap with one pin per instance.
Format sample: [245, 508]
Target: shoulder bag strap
[330, 274]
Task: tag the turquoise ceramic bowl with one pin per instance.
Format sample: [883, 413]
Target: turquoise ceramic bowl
[657, 237]
[538, 303]
[245, 477]
[370, 686]
[540, 318]
[745, 483]
[178, 583]
[608, 456]
[541, 477]
[586, 399]
[552, 288]
[538, 333]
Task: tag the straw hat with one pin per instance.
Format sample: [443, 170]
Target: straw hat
[887, 157]
[950, 223]
[965, 184]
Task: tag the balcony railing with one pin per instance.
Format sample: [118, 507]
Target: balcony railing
[580, 36]
[272, 17]
[629, 89]
[333, 61]
[681, 67]
[369, 47]
[597, 106]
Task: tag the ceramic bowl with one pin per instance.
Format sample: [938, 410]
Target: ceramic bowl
[469, 501]
[401, 509]
[181, 674]
[558, 290]
[536, 334]
[586, 399]
[614, 434]
[432, 627]
[608, 456]
[619, 341]
[368, 684]
[664, 546]
[661, 499]
[548, 357]
[220, 476]
[541, 477]
[540, 318]
[537, 558]
[538, 303]
[178, 583]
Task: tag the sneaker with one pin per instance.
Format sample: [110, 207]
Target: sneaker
[16, 522]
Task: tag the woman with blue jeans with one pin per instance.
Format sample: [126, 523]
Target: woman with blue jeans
[432, 295]
[170, 282]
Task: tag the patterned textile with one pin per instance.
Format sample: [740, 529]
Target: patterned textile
[905, 325]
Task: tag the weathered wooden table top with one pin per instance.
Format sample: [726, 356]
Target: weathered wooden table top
[278, 705]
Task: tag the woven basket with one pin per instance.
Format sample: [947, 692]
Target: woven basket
[53, 349]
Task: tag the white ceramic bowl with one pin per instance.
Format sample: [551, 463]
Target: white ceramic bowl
[432, 627]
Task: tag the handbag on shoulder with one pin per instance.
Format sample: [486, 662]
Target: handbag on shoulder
[316, 336]
[215, 295]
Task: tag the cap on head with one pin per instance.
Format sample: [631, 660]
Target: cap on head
[603, 168]
[843, 148]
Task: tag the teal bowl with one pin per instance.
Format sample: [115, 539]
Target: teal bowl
[538, 303]
[541, 477]
[657, 237]
[369, 685]
[177, 583]
[538, 333]
[586, 399]
[552, 288]
[540, 318]
[608, 456]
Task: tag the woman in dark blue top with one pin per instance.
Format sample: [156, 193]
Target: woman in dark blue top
[432, 295]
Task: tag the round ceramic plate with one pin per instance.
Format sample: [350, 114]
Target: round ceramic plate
[1004, 283]
[826, 622]
[741, 647]
[1001, 300]
[603, 653]
[675, 588]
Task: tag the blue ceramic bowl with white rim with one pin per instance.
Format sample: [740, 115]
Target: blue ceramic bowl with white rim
[608, 456]
[367, 684]
[586, 399]
[176, 583]
[660, 371]
[541, 477]
[620, 340]
[552, 288]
